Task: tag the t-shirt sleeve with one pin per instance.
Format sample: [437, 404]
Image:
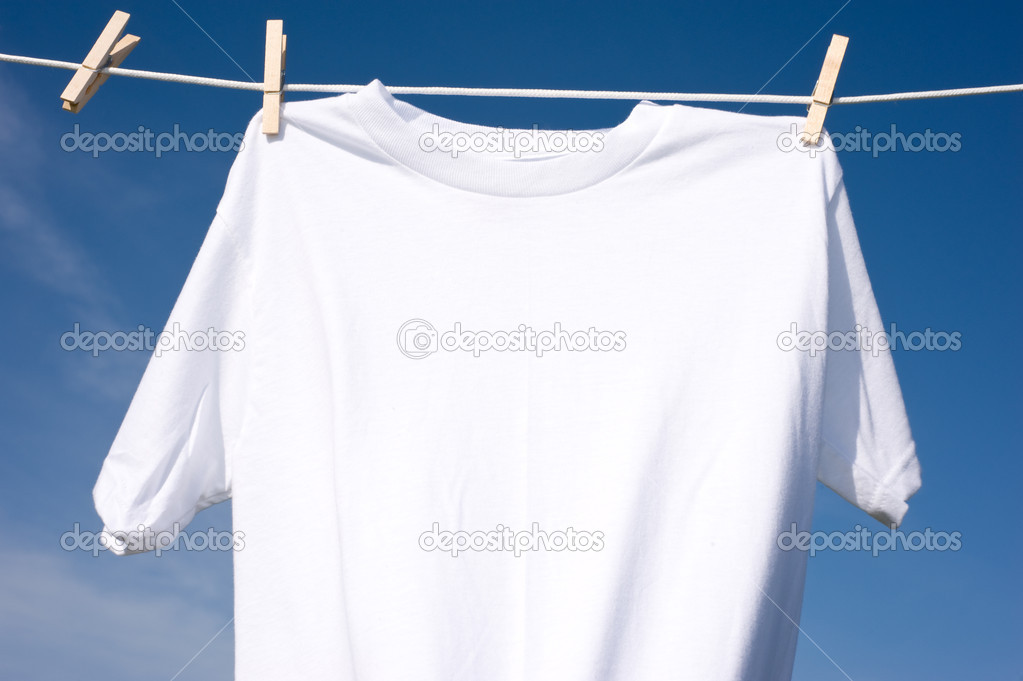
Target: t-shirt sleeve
[867, 455]
[172, 455]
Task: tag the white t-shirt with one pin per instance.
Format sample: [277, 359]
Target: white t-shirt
[429, 358]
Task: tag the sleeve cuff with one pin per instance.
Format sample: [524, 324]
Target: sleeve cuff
[882, 497]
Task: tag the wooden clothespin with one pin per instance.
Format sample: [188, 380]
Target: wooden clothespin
[110, 50]
[273, 75]
[824, 89]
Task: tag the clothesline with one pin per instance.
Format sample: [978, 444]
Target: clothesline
[522, 92]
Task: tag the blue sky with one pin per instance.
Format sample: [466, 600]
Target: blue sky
[107, 242]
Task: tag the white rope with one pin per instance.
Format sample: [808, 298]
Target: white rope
[524, 92]
[928, 94]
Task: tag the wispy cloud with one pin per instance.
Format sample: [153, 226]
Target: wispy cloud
[33, 241]
[36, 247]
[46, 255]
[56, 623]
